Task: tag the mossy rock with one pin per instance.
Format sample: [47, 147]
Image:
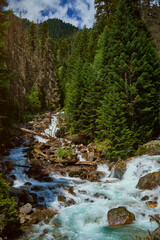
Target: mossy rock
[149, 181]
[120, 216]
[152, 148]
[120, 169]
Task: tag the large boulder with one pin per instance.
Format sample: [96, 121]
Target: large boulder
[120, 216]
[120, 169]
[152, 148]
[149, 181]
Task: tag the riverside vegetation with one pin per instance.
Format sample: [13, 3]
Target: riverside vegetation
[106, 78]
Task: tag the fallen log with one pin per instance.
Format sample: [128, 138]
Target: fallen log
[47, 136]
[41, 153]
[84, 163]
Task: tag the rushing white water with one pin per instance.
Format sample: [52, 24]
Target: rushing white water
[87, 219]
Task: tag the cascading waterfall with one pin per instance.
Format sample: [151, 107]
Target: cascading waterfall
[87, 219]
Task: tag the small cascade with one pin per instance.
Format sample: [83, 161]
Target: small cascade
[87, 217]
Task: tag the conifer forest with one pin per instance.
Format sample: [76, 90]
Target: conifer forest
[80, 110]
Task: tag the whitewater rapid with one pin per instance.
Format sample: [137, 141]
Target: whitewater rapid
[87, 219]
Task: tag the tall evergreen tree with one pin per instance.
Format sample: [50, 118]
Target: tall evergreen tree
[130, 109]
[44, 35]
[104, 11]
[33, 36]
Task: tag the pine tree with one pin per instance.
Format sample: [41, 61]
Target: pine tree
[32, 36]
[130, 107]
[44, 35]
[104, 12]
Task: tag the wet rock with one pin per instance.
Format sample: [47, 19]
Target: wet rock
[74, 173]
[152, 204]
[145, 198]
[13, 177]
[61, 198]
[26, 209]
[41, 215]
[60, 133]
[120, 169]
[45, 173]
[70, 202]
[16, 192]
[152, 148]
[99, 195]
[89, 200]
[120, 216]
[70, 191]
[101, 174]
[82, 191]
[30, 199]
[149, 181]
[35, 173]
[28, 184]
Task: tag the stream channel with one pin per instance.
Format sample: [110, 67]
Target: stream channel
[87, 219]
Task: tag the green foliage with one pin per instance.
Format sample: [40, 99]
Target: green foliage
[5, 76]
[102, 146]
[9, 217]
[113, 94]
[58, 29]
[32, 35]
[44, 35]
[62, 153]
[33, 103]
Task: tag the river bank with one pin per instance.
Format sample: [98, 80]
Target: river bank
[72, 193]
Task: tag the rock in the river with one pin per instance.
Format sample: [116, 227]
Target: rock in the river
[152, 204]
[149, 181]
[120, 216]
[120, 169]
[70, 190]
[61, 198]
[144, 198]
[41, 215]
[26, 209]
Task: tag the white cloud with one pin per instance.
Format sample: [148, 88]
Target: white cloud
[83, 10]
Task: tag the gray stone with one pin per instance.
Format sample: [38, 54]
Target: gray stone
[27, 208]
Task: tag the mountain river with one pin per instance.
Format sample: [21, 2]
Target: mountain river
[87, 219]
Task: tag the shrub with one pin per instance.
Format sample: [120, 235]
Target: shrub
[61, 153]
[9, 217]
[33, 103]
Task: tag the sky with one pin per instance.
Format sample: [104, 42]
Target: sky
[76, 12]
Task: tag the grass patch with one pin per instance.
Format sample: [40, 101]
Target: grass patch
[61, 153]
